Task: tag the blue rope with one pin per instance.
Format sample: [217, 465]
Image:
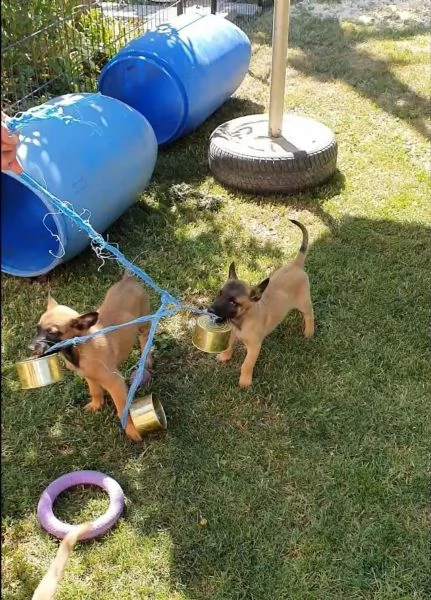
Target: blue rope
[169, 304]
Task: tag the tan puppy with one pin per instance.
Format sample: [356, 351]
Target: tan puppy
[49, 584]
[98, 359]
[255, 312]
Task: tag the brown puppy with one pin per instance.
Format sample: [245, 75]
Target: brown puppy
[98, 359]
[49, 583]
[255, 312]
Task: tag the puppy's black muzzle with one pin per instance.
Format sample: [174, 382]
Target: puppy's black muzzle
[220, 317]
[39, 346]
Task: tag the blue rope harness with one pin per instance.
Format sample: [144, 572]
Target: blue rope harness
[169, 304]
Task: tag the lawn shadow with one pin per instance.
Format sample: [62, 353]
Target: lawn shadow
[242, 482]
[246, 477]
[311, 200]
[330, 52]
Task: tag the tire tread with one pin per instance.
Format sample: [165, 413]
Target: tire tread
[289, 174]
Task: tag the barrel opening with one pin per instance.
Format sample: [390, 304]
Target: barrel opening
[148, 86]
[31, 237]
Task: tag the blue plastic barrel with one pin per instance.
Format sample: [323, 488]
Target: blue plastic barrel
[180, 73]
[94, 152]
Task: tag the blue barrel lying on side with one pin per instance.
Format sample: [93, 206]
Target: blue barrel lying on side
[180, 73]
[94, 152]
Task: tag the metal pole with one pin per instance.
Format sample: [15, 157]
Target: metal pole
[280, 31]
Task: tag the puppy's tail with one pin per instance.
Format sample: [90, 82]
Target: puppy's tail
[300, 259]
[49, 584]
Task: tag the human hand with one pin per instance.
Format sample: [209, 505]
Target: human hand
[9, 145]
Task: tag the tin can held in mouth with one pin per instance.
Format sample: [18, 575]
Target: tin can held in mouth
[209, 336]
[39, 372]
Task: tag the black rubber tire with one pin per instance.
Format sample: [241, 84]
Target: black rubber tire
[291, 172]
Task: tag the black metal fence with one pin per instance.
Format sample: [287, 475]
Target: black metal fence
[52, 47]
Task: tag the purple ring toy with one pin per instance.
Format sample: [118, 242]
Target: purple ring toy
[58, 528]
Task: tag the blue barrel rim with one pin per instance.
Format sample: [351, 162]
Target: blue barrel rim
[124, 55]
[61, 233]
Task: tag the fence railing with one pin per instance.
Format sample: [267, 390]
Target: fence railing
[57, 47]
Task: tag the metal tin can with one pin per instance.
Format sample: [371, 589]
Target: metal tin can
[147, 414]
[209, 336]
[39, 372]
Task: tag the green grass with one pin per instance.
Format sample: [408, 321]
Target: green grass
[313, 484]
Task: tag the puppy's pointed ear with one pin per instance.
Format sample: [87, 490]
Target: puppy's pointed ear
[232, 271]
[257, 290]
[84, 322]
[51, 303]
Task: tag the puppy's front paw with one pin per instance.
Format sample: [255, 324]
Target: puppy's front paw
[132, 433]
[93, 406]
[224, 357]
[245, 381]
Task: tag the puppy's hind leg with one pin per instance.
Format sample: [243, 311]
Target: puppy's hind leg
[306, 307]
[309, 322]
